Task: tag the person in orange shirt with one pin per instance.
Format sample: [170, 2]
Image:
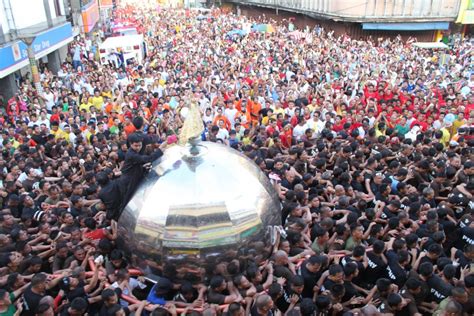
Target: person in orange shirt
[221, 116]
[253, 108]
[243, 116]
[128, 126]
[112, 106]
[145, 109]
[114, 115]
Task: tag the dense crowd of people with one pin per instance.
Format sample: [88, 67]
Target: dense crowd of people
[368, 143]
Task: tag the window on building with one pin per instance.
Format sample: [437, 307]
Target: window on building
[57, 8]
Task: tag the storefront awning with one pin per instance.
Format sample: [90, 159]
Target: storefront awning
[406, 26]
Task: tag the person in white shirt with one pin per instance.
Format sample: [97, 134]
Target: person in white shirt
[127, 284]
[43, 119]
[49, 98]
[223, 133]
[298, 130]
[34, 121]
[230, 113]
[316, 124]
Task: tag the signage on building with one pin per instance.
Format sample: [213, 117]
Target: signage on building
[466, 12]
[13, 56]
[106, 3]
[90, 16]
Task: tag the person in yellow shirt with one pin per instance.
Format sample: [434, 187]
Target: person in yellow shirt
[460, 121]
[86, 105]
[107, 94]
[97, 100]
[278, 109]
[445, 136]
[266, 118]
[246, 140]
[90, 131]
[56, 131]
[380, 130]
[66, 133]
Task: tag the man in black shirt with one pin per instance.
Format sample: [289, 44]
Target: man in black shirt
[394, 304]
[138, 123]
[391, 210]
[396, 267]
[7, 223]
[376, 264]
[133, 168]
[78, 307]
[350, 272]
[336, 276]
[410, 291]
[296, 288]
[221, 292]
[36, 291]
[310, 271]
[358, 257]
[438, 289]
[263, 306]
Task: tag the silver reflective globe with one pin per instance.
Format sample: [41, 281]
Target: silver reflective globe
[198, 208]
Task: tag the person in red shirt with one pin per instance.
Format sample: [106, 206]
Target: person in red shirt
[272, 127]
[369, 92]
[286, 136]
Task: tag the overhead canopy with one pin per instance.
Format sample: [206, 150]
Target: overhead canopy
[406, 26]
[430, 45]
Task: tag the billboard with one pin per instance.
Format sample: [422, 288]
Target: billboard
[90, 16]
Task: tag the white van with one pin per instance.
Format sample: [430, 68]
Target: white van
[132, 46]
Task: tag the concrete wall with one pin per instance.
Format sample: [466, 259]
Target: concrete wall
[28, 12]
[21, 14]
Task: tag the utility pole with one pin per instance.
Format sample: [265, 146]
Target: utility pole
[28, 40]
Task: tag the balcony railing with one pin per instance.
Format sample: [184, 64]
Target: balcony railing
[358, 10]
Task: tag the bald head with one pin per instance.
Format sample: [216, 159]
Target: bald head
[280, 255]
[262, 301]
[369, 310]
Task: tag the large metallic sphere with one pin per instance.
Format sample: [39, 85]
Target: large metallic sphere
[193, 212]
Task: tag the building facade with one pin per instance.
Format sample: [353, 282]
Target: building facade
[466, 16]
[42, 27]
[359, 18]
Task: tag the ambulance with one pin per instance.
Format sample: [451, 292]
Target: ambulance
[131, 46]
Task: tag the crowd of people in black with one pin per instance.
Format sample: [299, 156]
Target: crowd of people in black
[368, 143]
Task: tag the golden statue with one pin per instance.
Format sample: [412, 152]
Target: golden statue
[193, 126]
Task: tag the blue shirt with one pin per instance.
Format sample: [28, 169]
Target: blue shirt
[154, 299]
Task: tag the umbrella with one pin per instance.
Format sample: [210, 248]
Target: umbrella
[263, 28]
[236, 32]
[449, 118]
